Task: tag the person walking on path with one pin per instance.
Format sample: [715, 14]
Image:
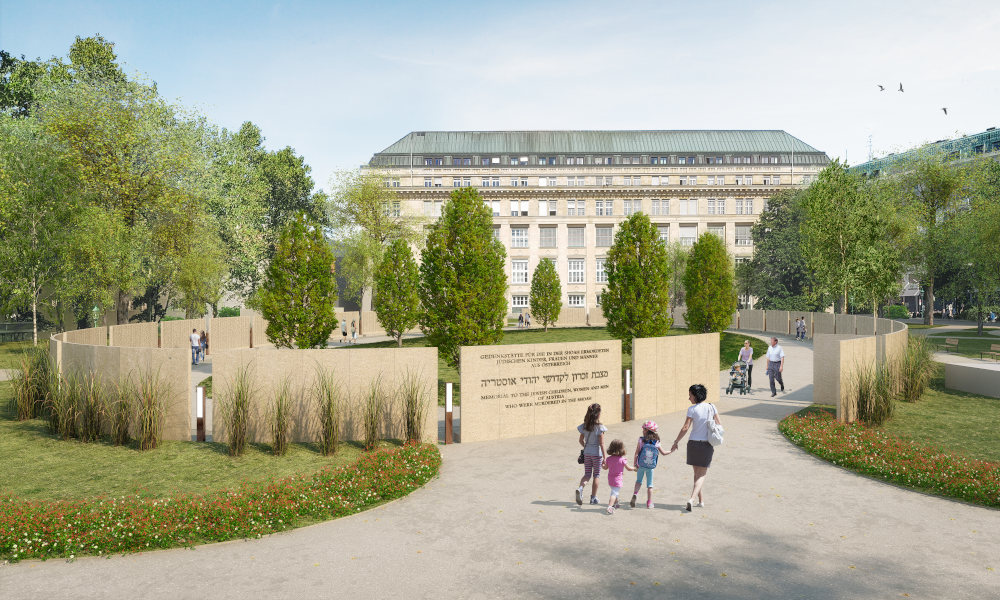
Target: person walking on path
[699, 450]
[647, 454]
[746, 355]
[203, 344]
[354, 332]
[775, 365]
[592, 440]
[343, 331]
[520, 321]
[616, 464]
[527, 320]
[800, 330]
[195, 346]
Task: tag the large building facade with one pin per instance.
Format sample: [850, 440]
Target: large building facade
[562, 194]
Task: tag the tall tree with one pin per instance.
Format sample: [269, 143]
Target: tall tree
[397, 303]
[463, 287]
[876, 266]
[677, 254]
[708, 281]
[636, 301]
[299, 293]
[546, 293]
[367, 215]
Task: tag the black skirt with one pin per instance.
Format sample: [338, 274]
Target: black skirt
[700, 454]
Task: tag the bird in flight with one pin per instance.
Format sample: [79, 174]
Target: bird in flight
[945, 109]
[881, 87]
[901, 87]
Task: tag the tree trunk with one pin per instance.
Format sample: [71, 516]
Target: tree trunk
[875, 318]
[399, 340]
[34, 319]
[121, 308]
[979, 316]
[929, 303]
[843, 303]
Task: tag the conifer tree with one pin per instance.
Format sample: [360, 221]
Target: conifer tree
[709, 286]
[546, 293]
[397, 304]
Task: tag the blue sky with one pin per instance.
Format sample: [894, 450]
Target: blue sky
[339, 81]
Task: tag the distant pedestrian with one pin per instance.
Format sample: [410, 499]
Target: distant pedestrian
[343, 331]
[203, 343]
[592, 440]
[520, 321]
[775, 365]
[527, 320]
[616, 464]
[647, 454]
[746, 355]
[354, 332]
[699, 450]
[800, 331]
[195, 346]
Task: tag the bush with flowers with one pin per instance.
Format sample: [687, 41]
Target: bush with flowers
[67, 529]
[873, 452]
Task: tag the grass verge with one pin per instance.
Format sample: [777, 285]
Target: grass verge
[875, 452]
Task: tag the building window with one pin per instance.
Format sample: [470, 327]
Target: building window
[575, 208]
[456, 182]
[654, 180]
[437, 182]
[575, 181]
[485, 162]
[716, 206]
[632, 206]
[519, 208]
[513, 182]
[547, 208]
[428, 182]
[576, 274]
[713, 160]
[716, 180]
[663, 231]
[513, 161]
[603, 181]
[576, 300]
[605, 208]
[518, 237]
[718, 231]
[547, 237]
[523, 160]
[689, 233]
[496, 232]
[547, 181]
[743, 235]
[394, 209]
[519, 301]
[602, 274]
[605, 236]
[661, 207]
[494, 206]
[432, 208]
[486, 182]
[576, 237]
[392, 182]
[519, 271]
[682, 160]
[599, 299]
[688, 206]
[496, 182]
[627, 180]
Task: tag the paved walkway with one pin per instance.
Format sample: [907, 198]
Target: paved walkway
[500, 522]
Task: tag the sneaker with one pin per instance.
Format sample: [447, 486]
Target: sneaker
[593, 500]
[632, 502]
[611, 510]
[687, 507]
[773, 395]
[650, 505]
[700, 505]
[579, 497]
[617, 503]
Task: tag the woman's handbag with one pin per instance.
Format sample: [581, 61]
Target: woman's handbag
[715, 431]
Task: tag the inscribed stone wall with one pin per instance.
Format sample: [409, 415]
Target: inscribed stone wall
[136, 335]
[226, 333]
[665, 367]
[569, 316]
[845, 325]
[777, 321]
[531, 389]
[823, 323]
[355, 370]
[752, 320]
[177, 334]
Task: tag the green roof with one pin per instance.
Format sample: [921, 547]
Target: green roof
[598, 142]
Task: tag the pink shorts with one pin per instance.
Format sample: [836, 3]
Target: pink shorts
[591, 466]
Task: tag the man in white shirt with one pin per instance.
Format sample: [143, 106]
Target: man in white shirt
[775, 365]
[196, 345]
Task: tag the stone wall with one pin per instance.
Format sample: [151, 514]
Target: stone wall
[972, 379]
[177, 334]
[530, 389]
[356, 369]
[569, 316]
[596, 318]
[845, 325]
[778, 321]
[823, 323]
[227, 333]
[94, 336]
[136, 335]
[752, 320]
[664, 368]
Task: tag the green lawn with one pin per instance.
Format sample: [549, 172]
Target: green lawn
[728, 349]
[969, 343]
[955, 421]
[10, 351]
[38, 465]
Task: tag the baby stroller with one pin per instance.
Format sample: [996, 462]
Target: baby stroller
[738, 378]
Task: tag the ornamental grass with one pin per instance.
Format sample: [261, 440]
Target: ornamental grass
[373, 406]
[412, 397]
[31, 383]
[235, 407]
[873, 452]
[66, 529]
[279, 418]
[327, 397]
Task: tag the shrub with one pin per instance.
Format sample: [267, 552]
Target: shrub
[874, 392]
[709, 286]
[229, 311]
[151, 395]
[896, 311]
[235, 409]
[119, 408]
[91, 407]
[30, 383]
[327, 397]
[63, 402]
[916, 369]
[411, 394]
[279, 418]
[372, 411]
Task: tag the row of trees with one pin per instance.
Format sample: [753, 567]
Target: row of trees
[113, 197]
[848, 239]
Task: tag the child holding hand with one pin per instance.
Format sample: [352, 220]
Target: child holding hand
[647, 452]
[616, 465]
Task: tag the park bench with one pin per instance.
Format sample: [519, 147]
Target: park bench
[13, 332]
[950, 345]
[993, 352]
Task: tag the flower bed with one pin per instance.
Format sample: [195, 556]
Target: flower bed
[50, 529]
[873, 452]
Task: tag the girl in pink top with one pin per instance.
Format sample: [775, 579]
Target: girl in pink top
[616, 465]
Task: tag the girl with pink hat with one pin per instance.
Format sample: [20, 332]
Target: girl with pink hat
[647, 453]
